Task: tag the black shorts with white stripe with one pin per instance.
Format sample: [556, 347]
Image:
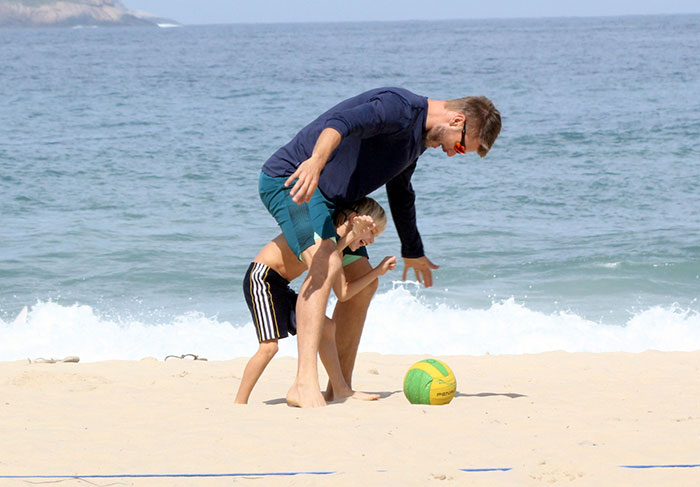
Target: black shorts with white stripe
[272, 303]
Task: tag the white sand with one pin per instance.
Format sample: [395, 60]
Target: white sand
[552, 418]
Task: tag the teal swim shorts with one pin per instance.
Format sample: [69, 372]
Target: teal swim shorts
[302, 224]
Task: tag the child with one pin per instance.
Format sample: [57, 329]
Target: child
[272, 303]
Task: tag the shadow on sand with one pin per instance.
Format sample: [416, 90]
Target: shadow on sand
[512, 395]
[385, 394]
[382, 395]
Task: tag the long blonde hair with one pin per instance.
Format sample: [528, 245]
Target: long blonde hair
[365, 206]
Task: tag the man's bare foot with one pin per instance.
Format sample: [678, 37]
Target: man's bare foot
[304, 397]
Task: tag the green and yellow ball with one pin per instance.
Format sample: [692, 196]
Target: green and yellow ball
[429, 381]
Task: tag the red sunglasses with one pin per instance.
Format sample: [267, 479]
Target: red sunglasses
[460, 147]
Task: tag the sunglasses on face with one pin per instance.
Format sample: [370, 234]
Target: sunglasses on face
[460, 147]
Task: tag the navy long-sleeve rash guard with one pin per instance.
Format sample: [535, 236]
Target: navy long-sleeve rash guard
[382, 138]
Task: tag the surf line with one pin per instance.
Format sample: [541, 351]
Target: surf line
[691, 465]
[163, 475]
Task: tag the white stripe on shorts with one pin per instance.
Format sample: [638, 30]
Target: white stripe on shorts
[263, 304]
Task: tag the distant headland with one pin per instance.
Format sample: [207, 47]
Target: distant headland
[74, 13]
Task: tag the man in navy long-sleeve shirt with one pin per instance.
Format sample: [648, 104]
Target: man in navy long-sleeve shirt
[363, 143]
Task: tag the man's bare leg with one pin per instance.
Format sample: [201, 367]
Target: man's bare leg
[349, 318]
[324, 263]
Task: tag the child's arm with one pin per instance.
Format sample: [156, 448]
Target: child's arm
[345, 290]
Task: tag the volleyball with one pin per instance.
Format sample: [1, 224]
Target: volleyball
[429, 381]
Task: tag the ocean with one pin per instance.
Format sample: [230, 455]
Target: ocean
[129, 161]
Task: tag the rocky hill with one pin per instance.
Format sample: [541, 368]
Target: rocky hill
[71, 13]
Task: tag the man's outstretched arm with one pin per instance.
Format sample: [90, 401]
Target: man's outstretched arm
[402, 204]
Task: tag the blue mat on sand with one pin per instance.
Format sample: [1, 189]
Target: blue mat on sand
[280, 474]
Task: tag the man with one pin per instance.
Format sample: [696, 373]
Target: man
[363, 143]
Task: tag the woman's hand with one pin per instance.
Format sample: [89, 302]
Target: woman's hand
[362, 226]
[387, 264]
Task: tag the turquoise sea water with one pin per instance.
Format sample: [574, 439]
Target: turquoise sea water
[129, 161]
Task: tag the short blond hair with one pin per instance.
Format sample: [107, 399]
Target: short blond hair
[365, 206]
[483, 120]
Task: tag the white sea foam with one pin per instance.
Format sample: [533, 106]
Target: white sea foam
[398, 322]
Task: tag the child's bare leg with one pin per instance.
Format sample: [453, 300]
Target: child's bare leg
[329, 356]
[254, 369]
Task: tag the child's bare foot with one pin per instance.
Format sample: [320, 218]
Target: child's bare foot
[304, 397]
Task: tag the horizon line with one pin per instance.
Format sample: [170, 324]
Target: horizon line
[544, 17]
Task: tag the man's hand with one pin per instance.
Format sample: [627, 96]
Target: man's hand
[309, 171]
[307, 175]
[422, 266]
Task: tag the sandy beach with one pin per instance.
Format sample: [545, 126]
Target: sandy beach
[548, 418]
